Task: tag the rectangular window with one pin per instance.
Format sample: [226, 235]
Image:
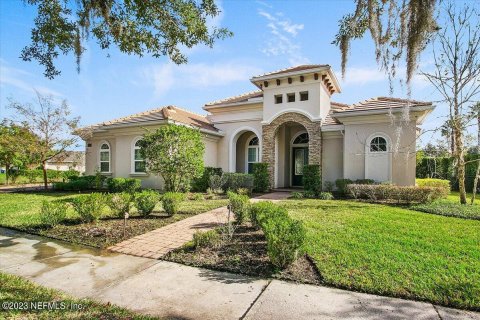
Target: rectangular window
[105, 166]
[291, 97]
[278, 98]
[304, 96]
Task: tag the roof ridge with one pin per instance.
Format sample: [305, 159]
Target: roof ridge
[233, 97]
[289, 68]
[191, 112]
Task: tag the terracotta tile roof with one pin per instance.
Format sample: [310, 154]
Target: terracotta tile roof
[164, 113]
[240, 98]
[329, 120]
[293, 69]
[380, 103]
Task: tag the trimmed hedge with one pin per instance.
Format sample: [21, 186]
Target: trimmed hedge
[312, 182]
[341, 185]
[261, 179]
[89, 206]
[146, 201]
[235, 181]
[120, 203]
[201, 184]
[129, 185]
[239, 204]
[285, 236]
[171, 202]
[436, 183]
[400, 194]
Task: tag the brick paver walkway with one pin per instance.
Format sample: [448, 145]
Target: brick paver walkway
[159, 242]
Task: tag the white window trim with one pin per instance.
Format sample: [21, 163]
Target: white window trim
[132, 158]
[388, 153]
[100, 150]
[257, 147]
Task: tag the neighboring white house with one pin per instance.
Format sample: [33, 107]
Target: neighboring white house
[290, 121]
[68, 160]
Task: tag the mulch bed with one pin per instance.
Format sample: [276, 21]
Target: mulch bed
[246, 254]
[105, 232]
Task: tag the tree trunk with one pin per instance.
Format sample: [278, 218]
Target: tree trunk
[45, 177]
[475, 182]
[7, 168]
[460, 157]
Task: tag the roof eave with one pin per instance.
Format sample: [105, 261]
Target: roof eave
[221, 105]
[353, 113]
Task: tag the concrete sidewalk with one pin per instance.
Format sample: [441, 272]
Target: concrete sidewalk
[172, 290]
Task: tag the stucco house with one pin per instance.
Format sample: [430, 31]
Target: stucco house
[289, 121]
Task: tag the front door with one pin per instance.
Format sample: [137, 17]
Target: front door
[300, 159]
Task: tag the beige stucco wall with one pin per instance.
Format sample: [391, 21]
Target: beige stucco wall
[121, 144]
[358, 130]
[332, 156]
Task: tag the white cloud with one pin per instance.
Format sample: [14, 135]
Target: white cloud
[361, 76]
[164, 77]
[282, 39]
[16, 78]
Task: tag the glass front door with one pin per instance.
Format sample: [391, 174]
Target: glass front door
[300, 159]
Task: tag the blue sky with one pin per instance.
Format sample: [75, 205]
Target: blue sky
[268, 35]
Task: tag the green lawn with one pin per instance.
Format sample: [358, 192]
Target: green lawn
[16, 289]
[393, 251]
[451, 207]
[22, 211]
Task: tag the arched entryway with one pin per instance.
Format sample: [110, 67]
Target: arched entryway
[289, 142]
[245, 150]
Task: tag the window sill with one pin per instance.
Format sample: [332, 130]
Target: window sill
[138, 174]
[106, 173]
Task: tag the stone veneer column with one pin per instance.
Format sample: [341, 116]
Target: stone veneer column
[268, 140]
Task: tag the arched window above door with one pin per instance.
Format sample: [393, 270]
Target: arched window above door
[301, 139]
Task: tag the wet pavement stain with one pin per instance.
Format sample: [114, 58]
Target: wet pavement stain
[8, 242]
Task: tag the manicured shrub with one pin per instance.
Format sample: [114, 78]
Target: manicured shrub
[202, 183]
[171, 202]
[436, 183]
[325, 196]
[217, 182]
[129, 185]
[401, 194]
[196, 196]
[53, 212]
[312, 182]
[145, 201]
[59, 186]
[206, 239]
[78, 185]
[297, 195]
[263, 211]
[234, 181]
[240, 206]
[120, 203]
[261, 178]
[285, 237]
[341, 185]
[89, 206]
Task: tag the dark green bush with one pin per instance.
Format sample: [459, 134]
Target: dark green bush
[234, 181]
[201, 184]
[364, 181]
[89, 206]
[341, 185]
[129, 185]
[120, 203]
[146, 200]
[171, 202]
[261, 178]
[240, 206]
[53, 212]
[206, 239]
[312, 181]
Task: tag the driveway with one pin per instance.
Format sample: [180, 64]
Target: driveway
[172, 290]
